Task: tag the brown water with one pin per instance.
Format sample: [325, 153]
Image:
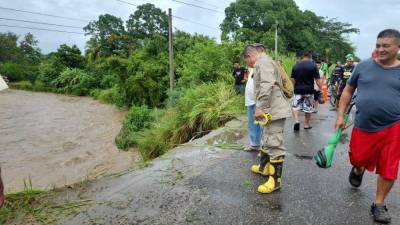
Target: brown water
[57, 140]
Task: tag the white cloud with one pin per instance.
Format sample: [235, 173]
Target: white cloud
[368, 15]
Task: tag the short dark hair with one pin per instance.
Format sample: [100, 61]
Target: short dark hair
[389, 33]
[307, 54]
[318, 62]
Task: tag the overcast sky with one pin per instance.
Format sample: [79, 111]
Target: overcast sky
[370, 16]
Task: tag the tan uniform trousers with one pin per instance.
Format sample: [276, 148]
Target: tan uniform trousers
[272, 139]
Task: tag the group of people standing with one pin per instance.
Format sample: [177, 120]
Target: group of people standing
[375, 139]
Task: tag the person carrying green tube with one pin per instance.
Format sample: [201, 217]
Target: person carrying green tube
[375, 139]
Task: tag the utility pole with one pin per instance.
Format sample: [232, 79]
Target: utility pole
[171, 52]
[276, 39]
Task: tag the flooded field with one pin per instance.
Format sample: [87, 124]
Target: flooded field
[55, 140]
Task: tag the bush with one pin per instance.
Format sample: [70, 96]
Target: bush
[74, 81]
[110, 96]
[21, 85]
[137, 119]
[203, 63]
[196, 113]
[29, 86]
[205, 108]
[156, 140]
[50, 70]
[18, 72]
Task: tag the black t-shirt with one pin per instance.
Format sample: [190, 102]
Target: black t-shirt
[338, 71]
[304, 74]
[238, 74]
[347, 71]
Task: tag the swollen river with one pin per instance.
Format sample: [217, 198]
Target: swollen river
[56, 140]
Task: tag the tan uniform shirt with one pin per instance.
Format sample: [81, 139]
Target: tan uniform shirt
[269, 96]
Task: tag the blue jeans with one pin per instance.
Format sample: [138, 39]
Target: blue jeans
[254, 129]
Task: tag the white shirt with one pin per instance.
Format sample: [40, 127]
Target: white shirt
[249, 98]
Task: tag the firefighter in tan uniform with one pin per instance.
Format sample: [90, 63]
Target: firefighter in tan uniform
[269, 101]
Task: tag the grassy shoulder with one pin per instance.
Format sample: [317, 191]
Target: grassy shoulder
[32, 206]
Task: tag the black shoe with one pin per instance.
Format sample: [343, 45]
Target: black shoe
[380, 213]
[355, 179]
[296, 127]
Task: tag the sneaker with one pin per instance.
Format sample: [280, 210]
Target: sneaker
[296, 127]
[355, 179]
[380, 213]
[251, 148]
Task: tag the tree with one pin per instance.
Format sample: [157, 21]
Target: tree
[107, 36]
[55, 63]
[29, 49]
[147, 74]
[146, 21]
[70, 57]
[9, 50]
[255, 20]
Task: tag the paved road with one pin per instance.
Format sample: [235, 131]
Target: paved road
[200, 184]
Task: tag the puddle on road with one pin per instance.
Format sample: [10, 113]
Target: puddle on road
[228, 137]
[303, 157]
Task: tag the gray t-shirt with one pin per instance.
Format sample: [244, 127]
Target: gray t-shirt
[378, 95]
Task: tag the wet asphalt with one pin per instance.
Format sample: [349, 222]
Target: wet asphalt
[198, 183]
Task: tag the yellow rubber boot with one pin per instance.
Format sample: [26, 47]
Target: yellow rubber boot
[268, 169]
[274, 180]
[264, 167]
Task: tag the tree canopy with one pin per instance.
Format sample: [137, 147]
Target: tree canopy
[255, 21]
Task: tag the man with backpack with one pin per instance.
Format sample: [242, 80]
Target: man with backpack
[272, 109]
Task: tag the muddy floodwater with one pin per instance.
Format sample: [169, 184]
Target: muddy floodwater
[56, 140]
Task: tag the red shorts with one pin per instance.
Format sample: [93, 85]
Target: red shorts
[380, 150]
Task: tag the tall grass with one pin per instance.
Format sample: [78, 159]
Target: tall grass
[37, 86]
[137, 119]
[288, 62]
[198, 111]
[32, 206]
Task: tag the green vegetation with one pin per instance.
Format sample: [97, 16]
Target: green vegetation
[137, 119]
[299, 31]
[36, 207]
[196, 113]
[125, 63]
[74, 81]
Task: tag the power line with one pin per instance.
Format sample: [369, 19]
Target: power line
[206, 3]
[180, 18]
[198, 6]
[36, 22]
[126, 3]
[44, 29]
[44, 14]
[177, 17]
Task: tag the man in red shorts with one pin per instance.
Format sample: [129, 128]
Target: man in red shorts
[375, 140]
